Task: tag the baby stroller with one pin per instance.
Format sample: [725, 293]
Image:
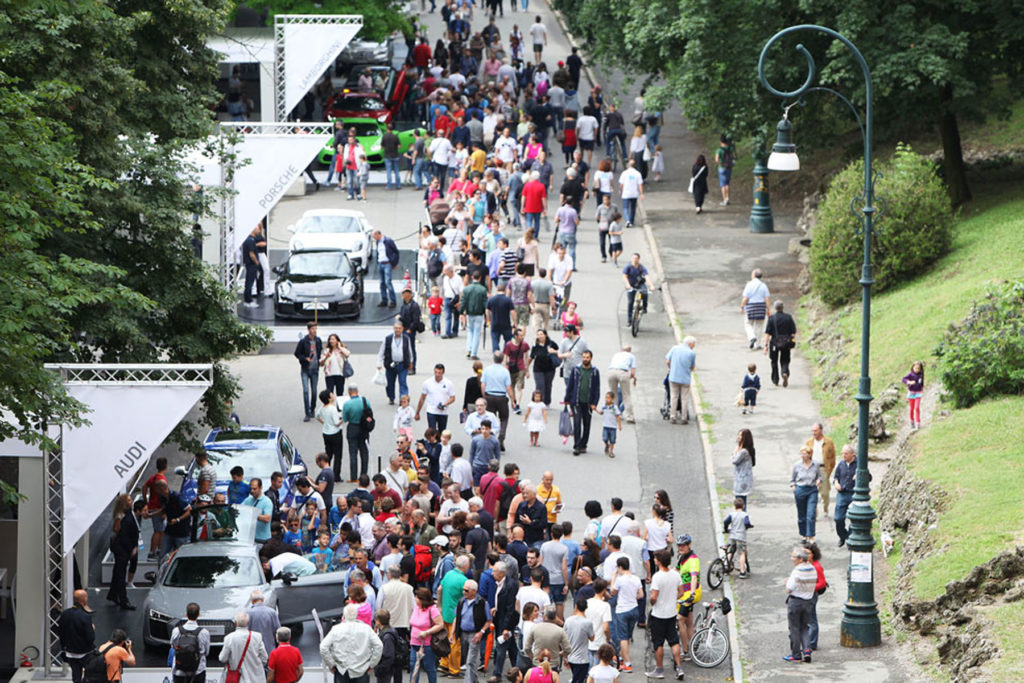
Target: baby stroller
[436, 214]
[666, 406]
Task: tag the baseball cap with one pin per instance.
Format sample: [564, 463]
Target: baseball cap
[441, 541]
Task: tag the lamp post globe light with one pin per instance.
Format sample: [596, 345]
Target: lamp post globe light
[860, 624]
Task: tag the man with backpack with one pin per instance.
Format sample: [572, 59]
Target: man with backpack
[191, 645]
[104, 664]
[77, 634]
[725, 158]
[395, 653]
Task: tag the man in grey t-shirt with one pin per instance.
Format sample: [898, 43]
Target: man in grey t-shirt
[554, 556]
[580, 631]
[543, 300]
[571, 350]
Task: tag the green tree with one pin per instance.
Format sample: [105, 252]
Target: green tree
[133, 83]
[933, 62]
[380, 17]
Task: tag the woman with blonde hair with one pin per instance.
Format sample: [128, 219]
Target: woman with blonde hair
[637, 148]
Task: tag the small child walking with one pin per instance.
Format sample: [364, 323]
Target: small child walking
[536, 417]
[615, 237]
[611, 423]
[751, 385]
[736, 526]
[657, 164]
[434, 305]
[364, 176]
[404, 417]
[915, 387]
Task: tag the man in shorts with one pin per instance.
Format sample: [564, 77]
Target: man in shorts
[689, 590]
[666, 588]
[539, 34]
[586, 132]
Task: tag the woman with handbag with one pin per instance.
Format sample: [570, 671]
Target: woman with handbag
[638, 150]
[699, 182]
[425, 625]
[544, 359]
[335, 363]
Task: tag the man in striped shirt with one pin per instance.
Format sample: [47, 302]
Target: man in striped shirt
[754, 306]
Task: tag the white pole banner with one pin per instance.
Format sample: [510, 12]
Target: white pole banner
[275, 162]
[128, 424]
[308, 50]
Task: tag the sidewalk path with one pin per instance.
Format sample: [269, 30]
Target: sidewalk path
[708, 259]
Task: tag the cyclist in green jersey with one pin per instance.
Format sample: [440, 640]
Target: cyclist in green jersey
[689, 572]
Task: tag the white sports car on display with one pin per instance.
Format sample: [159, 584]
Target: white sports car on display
[342, 229]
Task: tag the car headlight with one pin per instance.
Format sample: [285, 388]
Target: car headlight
[383, 118]
[160, 616]
[375, 147]
[284, 291]
[348, 289]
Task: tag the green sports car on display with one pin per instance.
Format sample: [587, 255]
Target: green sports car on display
[369, 133]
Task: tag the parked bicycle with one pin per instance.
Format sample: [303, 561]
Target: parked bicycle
[725, 564]
[709, 646]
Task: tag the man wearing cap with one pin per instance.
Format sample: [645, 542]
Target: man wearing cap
[412, 319]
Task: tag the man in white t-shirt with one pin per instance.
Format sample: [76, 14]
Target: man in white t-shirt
[453, 501]
[754, 305]
[539, 34]
[505, 147]
[533, 592]
[628, 590]
[631, 188]
[586, 133]
[599, 612]
[612, 523]
[666, 589]
[608, 567]
[439, 150]
[438, 393]
[560, 269]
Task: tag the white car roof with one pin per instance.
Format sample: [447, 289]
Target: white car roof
[335, 212]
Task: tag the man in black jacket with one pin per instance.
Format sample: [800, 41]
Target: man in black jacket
[505, 618]
[396, 358]
[124, 545]
[471, 623]
[412, 319]
[779, 339]
[582, 394]
[308, 352]
[77, 633]
[387, 260]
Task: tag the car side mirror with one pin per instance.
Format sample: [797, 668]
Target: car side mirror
[180, 471]
[296, 470]
[278, 270]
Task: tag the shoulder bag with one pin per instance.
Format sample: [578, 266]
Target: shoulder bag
[235, 675]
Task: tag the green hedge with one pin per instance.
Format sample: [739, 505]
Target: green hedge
[915, 230]
[980, 357]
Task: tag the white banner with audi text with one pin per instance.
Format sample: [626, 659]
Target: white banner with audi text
[128, 423]
[309, 49]
[274, 162]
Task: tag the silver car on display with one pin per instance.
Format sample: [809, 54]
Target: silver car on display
[219, 570]
[342, 229]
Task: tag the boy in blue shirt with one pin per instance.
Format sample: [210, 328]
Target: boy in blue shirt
[238, 490]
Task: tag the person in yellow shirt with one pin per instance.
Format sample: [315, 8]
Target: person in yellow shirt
[550, 496]
[477, 159]
[689, 572]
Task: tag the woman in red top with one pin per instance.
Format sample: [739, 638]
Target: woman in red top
[819, 588]
[569, 136]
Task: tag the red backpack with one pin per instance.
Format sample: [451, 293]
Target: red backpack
[424, 560]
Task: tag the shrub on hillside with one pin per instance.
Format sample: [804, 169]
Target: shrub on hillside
[915, 230]
[980, 356]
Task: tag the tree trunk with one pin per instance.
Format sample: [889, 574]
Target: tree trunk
[952, 154]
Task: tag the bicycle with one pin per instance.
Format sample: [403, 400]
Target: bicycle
[709, 646]
[639, 304]
[724, 565]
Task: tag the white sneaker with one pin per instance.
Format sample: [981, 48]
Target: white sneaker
[657, 673]
[250, 304]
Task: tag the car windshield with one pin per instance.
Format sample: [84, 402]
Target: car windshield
[213, 572]
[364, 130]
[358, 104]
[319, 264]
[261, 460]
[330, 223]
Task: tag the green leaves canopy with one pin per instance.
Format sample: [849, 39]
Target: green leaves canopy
[380, 17]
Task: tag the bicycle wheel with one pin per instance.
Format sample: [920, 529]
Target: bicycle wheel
[698, 620]
[709, 647]
[637, 314]
[716, 573]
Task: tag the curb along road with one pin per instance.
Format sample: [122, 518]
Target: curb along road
[702, 425]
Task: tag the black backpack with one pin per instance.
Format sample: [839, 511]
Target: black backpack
[366, 422]
[94, 666]
[401, 650]
[508, 492]
[186, 651]
[434, 264]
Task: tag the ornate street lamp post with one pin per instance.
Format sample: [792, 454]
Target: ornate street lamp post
[860, 625]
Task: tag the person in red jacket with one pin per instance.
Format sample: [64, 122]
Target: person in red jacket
[421, 55]
[534, 202]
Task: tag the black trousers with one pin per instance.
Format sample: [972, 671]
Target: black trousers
[357, 444]
[334, 446]
[580, 425]
[251, 272]
[499, 406]
[798, 612]
[778, 357]
[119, 578]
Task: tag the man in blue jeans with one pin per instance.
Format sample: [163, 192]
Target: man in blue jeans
[843, 477]
[473, 306]
[308, 352]
[395, 357]
[390, 143]
[387, 260]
